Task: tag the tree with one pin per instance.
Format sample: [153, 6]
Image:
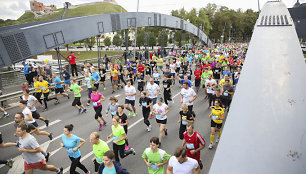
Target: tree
[107, 41]
[90, 42]
[117, 40]
[141, 38]
[152, 39]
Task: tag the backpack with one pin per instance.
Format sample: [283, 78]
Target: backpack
[161, 153]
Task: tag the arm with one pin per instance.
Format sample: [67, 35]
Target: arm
[79, 146]
[30, 150]
[197, 170]
[167, 111]
[30, 117]
[9, 144]
[183, 143]
[169, 169]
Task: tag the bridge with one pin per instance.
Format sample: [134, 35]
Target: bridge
[23, 41]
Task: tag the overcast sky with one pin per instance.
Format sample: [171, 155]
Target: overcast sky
[12, 9]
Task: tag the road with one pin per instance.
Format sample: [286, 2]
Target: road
[63, 114]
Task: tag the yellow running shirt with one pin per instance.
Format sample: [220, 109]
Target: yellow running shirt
[37, 87]
[44, 86]
[217, 112]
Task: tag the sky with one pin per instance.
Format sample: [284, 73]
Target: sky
[13, 9]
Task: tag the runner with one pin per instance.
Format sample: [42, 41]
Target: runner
[160, 110]
[121, 75]
[188, 96]
[119, 137]
[227, 93]
[37, 91]
[197, 77]
[70, 142]
[210, 85]
[99, 148]
[181, 164]
[96, 99]
[90, 84]
[180, 75]
[217, 72]
[31, 128]
[112, 107]
[95, 77]
[155, 158]
[148, 69]
[58, 87]
[111, 166]
[186, 80]
[217, 116]
[115, 79]
[222, 81]
[66, 76]
[156, 76]
[172, 67]
[77, 96]
[124, 121]
[194, 144]
[28, 119]
[31, 101]
[10, 162]
[30, 149]
[204, 77]
[102, 73]
[130, 96]
[167, 85]
[152, 90]
[185, 117]
[160, 62]
[141, 82]
[44, 86]
[146, 103]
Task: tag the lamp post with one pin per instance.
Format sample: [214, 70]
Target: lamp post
[136, 30]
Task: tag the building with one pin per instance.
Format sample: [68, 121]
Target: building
[298, 14]
[40, 7]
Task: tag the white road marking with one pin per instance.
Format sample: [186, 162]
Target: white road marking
[7, 124]
[117, 95]
[50, 124]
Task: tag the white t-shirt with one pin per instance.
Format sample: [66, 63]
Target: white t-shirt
[172, 68]
[25, 112]
[130, 90]
[184, 168]
[152, 90]
[178, 64]
[161, 110]
[188, 95]
[31, 99]
[209, 84]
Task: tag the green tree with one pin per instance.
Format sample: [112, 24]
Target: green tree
[107, 41]
[90, 42]
[152, 39]
[141, 38]
[117, 40]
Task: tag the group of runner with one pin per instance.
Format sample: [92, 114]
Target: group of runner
[216, 70]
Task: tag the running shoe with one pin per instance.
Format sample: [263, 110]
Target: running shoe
[113, 92]
[6, 115]
[87, 172]
[133, 151]
[60, 171]
[130, 113]
[134, 114]
[100, 127]
[104, 124]
[80, 110]
[166, 131]
[218, 139]
[121, 86]
[149, 128]
[210, 146]
[104, 88]
[18, 144]
[68, 96]
[47, 157]
[88, 104]
[46, 109]
[57, 102]
[117, 87]
[47, 122]
[50, 136]
[151, 116]
[201, 164]
[127, 147]
[84, 111]
[9, 163]
[41, 105]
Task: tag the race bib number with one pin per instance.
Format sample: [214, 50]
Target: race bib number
[102, 75]
[70, 150]
[113, 113]
[139, 80]
[184, 122]
[225, 94]
[165, 86]
[115, 138]
[159, 116]
[43, 88]
[99, 160]
[154, 167]
[28, 104]
[214, 117]
[94, 103]
[185, 95]
[144, 104]
[190, 145]
[216, 70]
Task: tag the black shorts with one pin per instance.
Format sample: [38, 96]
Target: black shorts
[148, 72]
[77, 101]
[161, 121]
[102, 79]
[97, 165]
[1, 141]
[213, 124]
[35, 115]
[197, 82]
[132, 102]
[59, 90]
[157, 82]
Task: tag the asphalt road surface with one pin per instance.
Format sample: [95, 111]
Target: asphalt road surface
[63, 114]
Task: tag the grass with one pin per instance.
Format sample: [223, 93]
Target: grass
[80, 11]
[305, 55]
[83, 54]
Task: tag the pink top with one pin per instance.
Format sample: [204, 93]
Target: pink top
[95, 98]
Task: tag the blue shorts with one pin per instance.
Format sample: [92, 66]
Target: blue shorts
[160, 67]
[67, 82]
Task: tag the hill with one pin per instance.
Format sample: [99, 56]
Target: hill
[100, 8]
